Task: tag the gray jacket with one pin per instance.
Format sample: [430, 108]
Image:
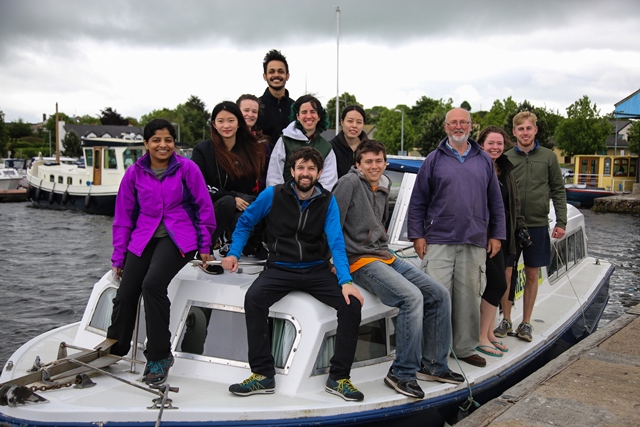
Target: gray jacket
[362, 215]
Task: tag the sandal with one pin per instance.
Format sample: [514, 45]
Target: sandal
[486, 350]
[500, 346]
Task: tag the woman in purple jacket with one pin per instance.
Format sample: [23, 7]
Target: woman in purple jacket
[163, 217]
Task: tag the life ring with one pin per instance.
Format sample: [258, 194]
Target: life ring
[87, 201]
[65, 197]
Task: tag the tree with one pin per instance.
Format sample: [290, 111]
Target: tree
[465, 105]
[4, 135]
[499, 114]
[584, 131]
[193, 119]
[19, 129]
[388, 130]
[373, 114]
[109, 116]
[547, 122]
[431, 125]
[87, 120]
[345, 99]
[72, 144]
[634, 137]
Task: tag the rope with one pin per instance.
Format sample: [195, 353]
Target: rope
[400, 253]
[464, 407]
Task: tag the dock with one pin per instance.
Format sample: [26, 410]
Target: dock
[596, 383]
[19, 195]
[623, 203]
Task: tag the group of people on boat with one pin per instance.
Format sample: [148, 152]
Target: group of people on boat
[268, 185]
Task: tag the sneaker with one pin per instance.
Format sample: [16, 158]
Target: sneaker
[224, 249]
[503, 328]
[255, 384]
[447, 377]
[156, 371]
[407, 387]
[344, 388]
[525, 331]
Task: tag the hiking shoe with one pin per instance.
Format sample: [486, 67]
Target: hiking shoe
[156, 371]
[224, 249]
[344, 388]
[503, 328]
[525, 331]
[407, 387]
[255, 384]
[447, 377]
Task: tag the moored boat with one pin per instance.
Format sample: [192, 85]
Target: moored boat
[91, 187]
[209, 343]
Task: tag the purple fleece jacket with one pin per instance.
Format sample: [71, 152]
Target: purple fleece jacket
[457, 203]
[180, 199]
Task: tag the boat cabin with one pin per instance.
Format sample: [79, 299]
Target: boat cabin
[606, 172]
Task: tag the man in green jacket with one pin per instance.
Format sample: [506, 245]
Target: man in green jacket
[539, 177]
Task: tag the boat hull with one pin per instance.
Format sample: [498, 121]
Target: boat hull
[431, 412]
[101, 204]
[584, 197]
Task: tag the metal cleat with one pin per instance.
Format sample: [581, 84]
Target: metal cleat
[83, 381]
[37, 365]
[62, 351]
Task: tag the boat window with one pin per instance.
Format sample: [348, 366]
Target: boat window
[69, 180]
[110, 161]
[607, 166]
[621, 167]
[101, 317]
[52, 178]
[208, 329]
[88, 156]
[561, 250]
[130, 156]
[571, 251]
[580, 252]
[553, 267]
[60, 179]
[396, 181]
[376, 344]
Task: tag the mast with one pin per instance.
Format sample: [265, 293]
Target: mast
[57, 137]
[337, 69]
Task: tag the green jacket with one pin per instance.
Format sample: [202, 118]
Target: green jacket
[539, 179]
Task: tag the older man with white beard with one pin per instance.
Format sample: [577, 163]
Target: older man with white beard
[456, 216]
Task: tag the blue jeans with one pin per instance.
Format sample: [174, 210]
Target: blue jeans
[424, 306]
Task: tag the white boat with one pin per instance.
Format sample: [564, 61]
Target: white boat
[90, 187]
[209, 344]
[10, 179]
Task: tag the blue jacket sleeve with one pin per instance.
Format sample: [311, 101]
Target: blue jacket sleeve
[249, 218]
[335, 238]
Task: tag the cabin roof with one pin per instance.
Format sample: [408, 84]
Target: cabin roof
[113, 131]
[629, 107]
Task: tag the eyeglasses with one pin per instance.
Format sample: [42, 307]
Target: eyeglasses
[455, 123]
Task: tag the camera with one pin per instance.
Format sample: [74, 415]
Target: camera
[523, 238]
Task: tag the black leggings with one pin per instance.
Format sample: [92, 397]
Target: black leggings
[496, 278]
[148, 275]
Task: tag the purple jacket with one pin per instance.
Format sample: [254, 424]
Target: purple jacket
[180, 199]
[457, 203]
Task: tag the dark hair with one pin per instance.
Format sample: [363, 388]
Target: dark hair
[155, 125]
[354, 108]
[307, 154]
[247, 96]
[370, 146]
[274, 55]
[247, 161]
[323, 123]
[484, 133]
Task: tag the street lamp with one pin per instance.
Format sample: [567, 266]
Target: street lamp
[178, 130]
[49, 132]
[401, 152]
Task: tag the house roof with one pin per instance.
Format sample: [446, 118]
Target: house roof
[102, 130]
[629, 107]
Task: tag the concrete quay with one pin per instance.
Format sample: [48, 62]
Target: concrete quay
[623, 203]
[596, 383]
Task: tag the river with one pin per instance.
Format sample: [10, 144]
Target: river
[49, 261]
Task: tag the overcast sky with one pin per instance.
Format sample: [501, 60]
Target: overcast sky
[139, 55]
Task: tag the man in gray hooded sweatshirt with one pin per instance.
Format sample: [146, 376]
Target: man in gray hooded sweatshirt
[363, 198]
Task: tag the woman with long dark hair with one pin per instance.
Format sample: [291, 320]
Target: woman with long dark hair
[344, 144]
[231, 162]
[493, 140]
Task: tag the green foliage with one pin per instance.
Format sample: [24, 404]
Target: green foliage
[547, 123]
[465, 105]
[109, 116]
[87, 120]
[431, 114]
[19, 130]
[193, 119]
[345, 99]
[389, 129]
[584, 131]
[373, 114]
[634, 137]
[72, 144]
[499, 114]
